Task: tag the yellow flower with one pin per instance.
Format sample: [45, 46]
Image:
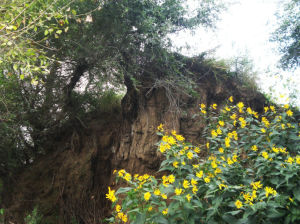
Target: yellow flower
[214, 133]
[160, 127]
[120, 215]
[291, 200]
[147, 196]
[270, 190]
[214, 106]
[203, 111]
[146, 176]
[290, 160]
[221, 123]
[254, 194]
[195, 189]
[240, 105]
[266, 109]
[180, 138]
[165, 138]
[213, 164]
[229, 161]
[178, 191]
[263, 130]
[272, 108]
[234, 158]
[265, 155]
[118, 208]
[181, 152]
[227, 108]
[157, 192]
[286, 106]
[207, 145]
[222, 186]
[124, 218]
[227, 142]
[230, 99]
[238, 204]
[150, 209]
[199, 174]
[202, 106]
[186, 184]
[189, 155]
[298, 160]
[256, 185]
[249, 110]
[247, 197]
[121, 172]
[233, 116]
[183, 163]
[162, 147]
[127, 177]
[276, 150]
[197, 150]
[111, 195]
[265, 121]
[254, 148]
[221, 150]
[165, 212]
[194, 182]
[171, 140]
[206, 180]
[164, 196]
[195, 166]
[165, 181]
[289, 113]
[188, 197]
[171, 178]
[218, 170]
[219, 131]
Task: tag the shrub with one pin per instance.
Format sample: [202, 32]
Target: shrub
[250, 174]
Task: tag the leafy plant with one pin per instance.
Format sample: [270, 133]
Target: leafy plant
[250, 173]
[34, 217]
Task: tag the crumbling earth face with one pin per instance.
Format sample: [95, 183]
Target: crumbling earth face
[69, 183]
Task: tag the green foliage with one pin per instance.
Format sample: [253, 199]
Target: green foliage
[25, 27]
[287, 34]
[2, 215]
[250, 173]
[34, 217]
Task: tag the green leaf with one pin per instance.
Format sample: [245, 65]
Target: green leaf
[59, 31]
[46, 32]
[296, 192]
[123, 190]
[140, 218]
[161, 220]
[234, 212]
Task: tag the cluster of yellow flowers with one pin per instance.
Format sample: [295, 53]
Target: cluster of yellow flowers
[189, 175]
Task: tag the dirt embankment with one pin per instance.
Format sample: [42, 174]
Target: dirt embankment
[70, 182]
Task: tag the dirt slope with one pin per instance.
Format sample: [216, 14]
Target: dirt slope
[70, 182]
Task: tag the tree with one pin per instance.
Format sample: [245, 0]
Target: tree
[287, 34]
[49, 47]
